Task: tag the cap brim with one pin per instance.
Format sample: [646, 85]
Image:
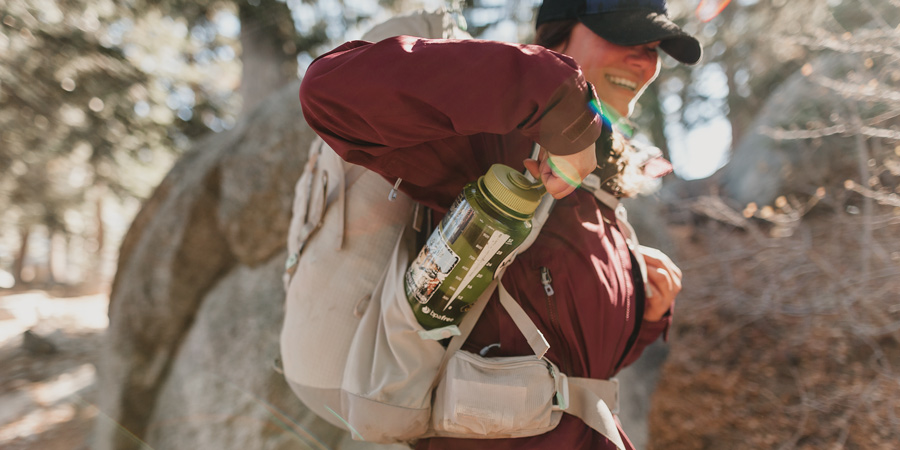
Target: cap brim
[635, 27]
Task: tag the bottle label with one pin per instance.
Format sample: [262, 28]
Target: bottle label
[455, 265]
[431, 267]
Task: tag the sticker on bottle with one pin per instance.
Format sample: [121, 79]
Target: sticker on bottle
[430, 268]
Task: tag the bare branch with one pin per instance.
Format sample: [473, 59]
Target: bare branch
[714, 208]
[787, 135]
[843, 46]
[880, 197]
[885, 116]
[783, 135]
[862, 158]
[876, 332]
[804, 400]
[880, 133]
[876, 16]
[866, 92]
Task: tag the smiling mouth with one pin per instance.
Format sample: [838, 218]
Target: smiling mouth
[627, 84]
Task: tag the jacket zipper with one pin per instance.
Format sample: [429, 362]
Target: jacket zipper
[553, 312]
[639, 310]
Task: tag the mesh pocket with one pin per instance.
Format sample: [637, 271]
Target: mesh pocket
[494, 397]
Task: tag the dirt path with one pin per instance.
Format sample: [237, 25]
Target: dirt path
[47, 380]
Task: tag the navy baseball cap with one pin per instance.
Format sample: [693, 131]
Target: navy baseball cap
[627, 22]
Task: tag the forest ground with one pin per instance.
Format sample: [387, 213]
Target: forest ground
[776, 345]
[762, 354]
[47, 395]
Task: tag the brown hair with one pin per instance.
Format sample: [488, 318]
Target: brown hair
[554, 34]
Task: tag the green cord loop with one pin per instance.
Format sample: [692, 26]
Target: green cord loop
[562, 175]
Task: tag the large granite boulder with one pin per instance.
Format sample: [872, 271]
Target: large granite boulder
[773, 160]
[197, 302]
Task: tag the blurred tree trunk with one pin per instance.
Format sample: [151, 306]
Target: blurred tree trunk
[19, 262]
[267, 53]
[95, 276]
[52, 256]
[740, 110]
[652, 106]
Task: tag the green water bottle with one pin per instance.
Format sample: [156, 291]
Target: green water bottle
[485, 225]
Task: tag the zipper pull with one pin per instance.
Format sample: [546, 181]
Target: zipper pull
[546, 280]
[393, 194]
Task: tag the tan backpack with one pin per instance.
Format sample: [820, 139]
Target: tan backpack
[351, 348]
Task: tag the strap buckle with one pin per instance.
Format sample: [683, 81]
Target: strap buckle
[561, 381]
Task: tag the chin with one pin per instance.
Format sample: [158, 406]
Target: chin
[624, 110]
[623, 104]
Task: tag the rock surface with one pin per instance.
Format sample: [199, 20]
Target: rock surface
[767, 164]
[197, 302]
[224, 208]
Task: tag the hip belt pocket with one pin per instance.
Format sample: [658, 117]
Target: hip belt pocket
[496, 397]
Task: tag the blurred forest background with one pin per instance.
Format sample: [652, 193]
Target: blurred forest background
[784, 211]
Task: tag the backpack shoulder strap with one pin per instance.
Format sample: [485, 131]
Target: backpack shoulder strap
[591, 400]
[465, 327]
[468, 322]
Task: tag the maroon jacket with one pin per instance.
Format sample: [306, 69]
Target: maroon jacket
[438, 113]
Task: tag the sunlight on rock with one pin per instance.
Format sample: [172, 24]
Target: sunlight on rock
[36, 309]
[43, 405]
[65, 385]
[14, 405]
[38, 422]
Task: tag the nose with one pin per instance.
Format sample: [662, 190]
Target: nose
[644, 56]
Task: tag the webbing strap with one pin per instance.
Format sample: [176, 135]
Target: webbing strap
[471, 317]
[535, 338]
[589, 400]
[465, 327]
[593, 401]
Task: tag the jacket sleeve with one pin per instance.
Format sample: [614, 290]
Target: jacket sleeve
[405, 91]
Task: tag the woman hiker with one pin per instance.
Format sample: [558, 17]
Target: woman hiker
[439, 113]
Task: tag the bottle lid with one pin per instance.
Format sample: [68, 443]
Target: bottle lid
[513, 190]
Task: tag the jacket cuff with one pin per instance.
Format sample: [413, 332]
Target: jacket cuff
[658, 327]
[570, 124]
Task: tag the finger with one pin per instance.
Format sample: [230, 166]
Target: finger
[674, 273]
[664, 296]
[565, 170]
[677, 271]
[556, 187]
[667, 277]
[660, 279]
[534, 168]
[676, 281]
[657, 258]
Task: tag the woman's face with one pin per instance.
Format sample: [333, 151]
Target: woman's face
[619, 74]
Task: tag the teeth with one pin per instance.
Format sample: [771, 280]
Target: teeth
[628, 84]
